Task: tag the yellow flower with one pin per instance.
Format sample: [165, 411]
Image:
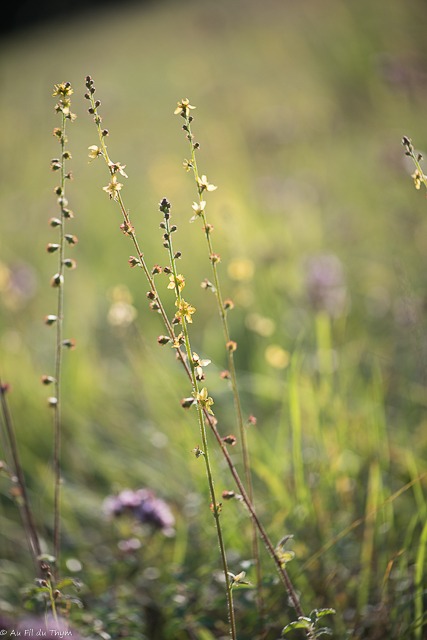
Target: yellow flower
[113, 188]
[63, 89]
[198, 208]
[178, 340]
[116, 167]
[184, 107]
[185, 310]
[179, 282]
[237, 579]
[204, 184]
[204, 400]
[418, 179]
[94, 151]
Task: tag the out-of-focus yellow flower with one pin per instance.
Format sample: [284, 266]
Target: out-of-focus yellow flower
[241, 269]
[418, 178]
[277, 357]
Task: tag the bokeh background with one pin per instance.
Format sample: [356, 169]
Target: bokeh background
[301, 108]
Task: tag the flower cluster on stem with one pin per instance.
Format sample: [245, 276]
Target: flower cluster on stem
[63, 93]
[203, 186]
[190, 364]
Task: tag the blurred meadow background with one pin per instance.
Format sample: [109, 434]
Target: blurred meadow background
[301, 108]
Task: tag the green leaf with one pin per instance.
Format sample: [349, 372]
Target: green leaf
[65, 582]
[325, 612]
[301, 623]
[319, 613]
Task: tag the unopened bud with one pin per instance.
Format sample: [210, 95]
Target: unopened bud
[57, 280]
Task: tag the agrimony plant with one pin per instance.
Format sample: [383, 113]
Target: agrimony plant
[190, 360]
[203, 187]
[63, 92]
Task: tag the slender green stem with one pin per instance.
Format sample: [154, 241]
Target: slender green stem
[57, 426]
[196, 392]
[201, 187]
[52, 601]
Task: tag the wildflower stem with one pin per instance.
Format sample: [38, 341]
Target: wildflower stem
[293, 597]
[58, 357]
[52, 601]
[201, 187]
[131, 232]
[196, 392]
[418, 176]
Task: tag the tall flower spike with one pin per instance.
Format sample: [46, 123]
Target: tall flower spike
[63, 108]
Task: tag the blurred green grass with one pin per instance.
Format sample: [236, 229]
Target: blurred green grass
[300, 113]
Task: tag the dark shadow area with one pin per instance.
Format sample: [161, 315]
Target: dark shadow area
[23, 16]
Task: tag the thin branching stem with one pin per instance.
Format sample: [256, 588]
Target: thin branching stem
[215, 507]
[129, 230]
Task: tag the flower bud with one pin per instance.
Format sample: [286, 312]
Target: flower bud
[70, 263]
[57, 280]
[228, 495]
[71, 239]
[69, 343]
[186, 403]
[228, 304]
[134, 262]
[156, 269]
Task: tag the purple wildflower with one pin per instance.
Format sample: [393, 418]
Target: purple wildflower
[325, 285]
[144, 506]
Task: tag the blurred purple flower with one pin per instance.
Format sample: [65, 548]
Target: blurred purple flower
[18, 284]
[325, 284]
[144, 506]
